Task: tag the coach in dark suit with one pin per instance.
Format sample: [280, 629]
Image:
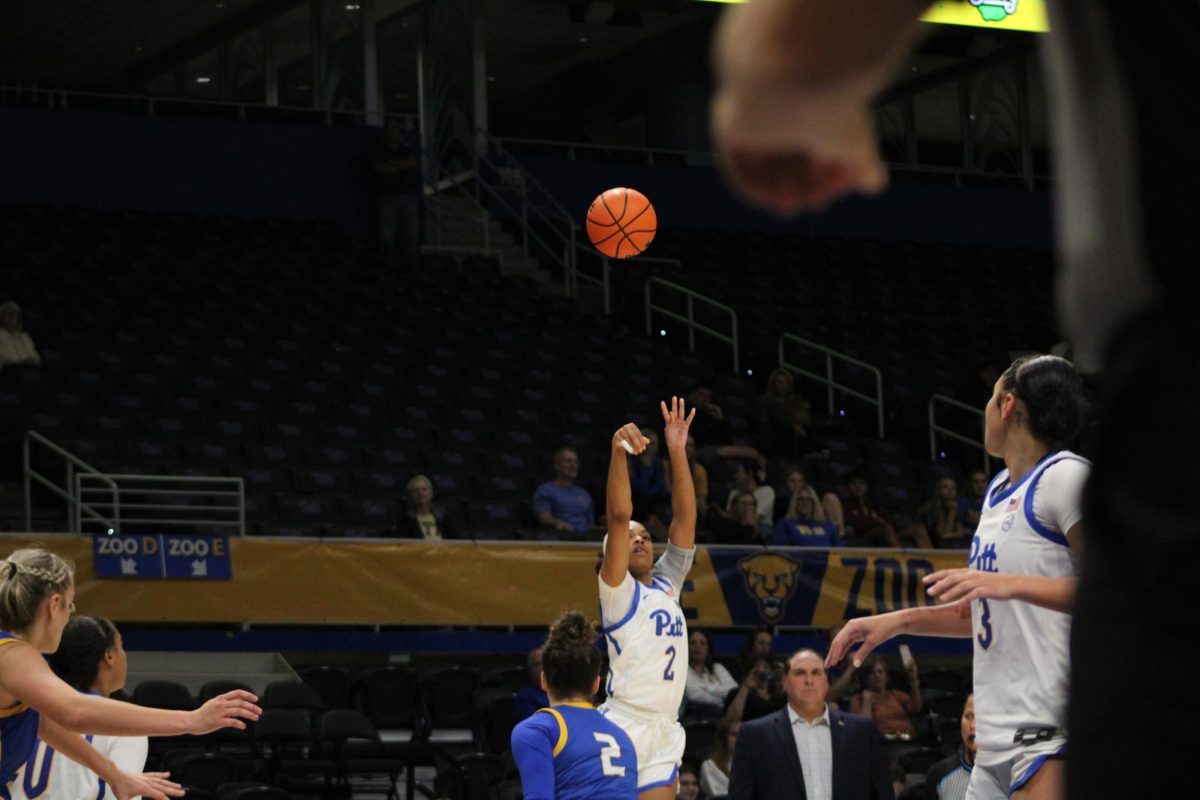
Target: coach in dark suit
[809, 750]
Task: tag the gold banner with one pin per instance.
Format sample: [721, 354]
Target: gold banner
[317, 582]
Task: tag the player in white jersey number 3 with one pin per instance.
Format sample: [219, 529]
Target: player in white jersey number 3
[640, 612]
[1014, 598]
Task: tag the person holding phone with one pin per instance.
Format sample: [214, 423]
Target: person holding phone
[891, 709]
[760, 693]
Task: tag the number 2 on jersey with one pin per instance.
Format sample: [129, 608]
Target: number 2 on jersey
[610, 751]
[668, 675]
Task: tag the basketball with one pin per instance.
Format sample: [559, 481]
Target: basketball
[621, 223]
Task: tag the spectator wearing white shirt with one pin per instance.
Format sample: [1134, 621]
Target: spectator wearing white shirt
[746, 479]
[16, 346]
[708, 683]
[714, 772]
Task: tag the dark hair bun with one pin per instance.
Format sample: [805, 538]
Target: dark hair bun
[570, 658]
[571, 630]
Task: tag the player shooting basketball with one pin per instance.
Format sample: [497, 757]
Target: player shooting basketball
[639, 609]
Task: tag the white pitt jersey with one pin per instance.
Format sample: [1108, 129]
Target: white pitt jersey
[49, 775]
[647, 638]
[1021, 650]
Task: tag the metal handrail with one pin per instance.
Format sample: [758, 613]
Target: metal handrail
[699, 156]
[442, 180]
[690, 319]
[75, 506]
[936, 429]
[567, 241]
[207, 516]
[602, 281]
[828, 379]
[58, 98]
[527, 177]
[557, 220]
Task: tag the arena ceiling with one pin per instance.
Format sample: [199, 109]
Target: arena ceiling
[116, 45]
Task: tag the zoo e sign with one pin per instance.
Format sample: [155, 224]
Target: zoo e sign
[162, 556]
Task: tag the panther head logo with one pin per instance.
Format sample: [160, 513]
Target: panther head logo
[771, 580]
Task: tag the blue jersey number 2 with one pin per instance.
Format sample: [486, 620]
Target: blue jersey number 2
[668, 675]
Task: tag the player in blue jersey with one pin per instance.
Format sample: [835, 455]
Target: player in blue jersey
[639, 608]
[569, 751]
[37, 596]
[1014, 598]
[91, 657]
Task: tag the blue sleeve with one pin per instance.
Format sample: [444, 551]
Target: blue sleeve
[834, 539]
[781, 538]
[533, 751]
[542, 500]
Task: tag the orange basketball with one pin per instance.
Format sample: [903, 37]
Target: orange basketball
[621, 223]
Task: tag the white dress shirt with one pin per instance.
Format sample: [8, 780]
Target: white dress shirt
[814, 744]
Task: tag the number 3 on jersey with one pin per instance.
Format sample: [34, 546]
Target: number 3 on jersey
[984, 637]
[611, 750]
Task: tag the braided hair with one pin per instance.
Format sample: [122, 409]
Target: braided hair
[27, 577]
[570, 659]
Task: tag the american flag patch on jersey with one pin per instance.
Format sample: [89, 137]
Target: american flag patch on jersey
[1012, 504]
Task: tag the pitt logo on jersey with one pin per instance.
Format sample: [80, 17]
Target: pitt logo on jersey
[664, 625]
[983, 560]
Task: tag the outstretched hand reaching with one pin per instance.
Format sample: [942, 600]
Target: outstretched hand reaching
[676, 422]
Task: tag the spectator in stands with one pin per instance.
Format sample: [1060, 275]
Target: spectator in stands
[421, 519]
[689, 783]
[396, 170]
[948, 779]
[942, 516]
[891, 709]
[747, 477]
[796, 441]
[761, 691]
[971, 505]
[805, 524]
[773, 408]
[16, 346]
[531, 696]
[709, 427]
[562, 505]
[793, 482]
[870, 525]
[793, 479]
[741, 524]
[699, 476]
[760, 643]
[648, 484]
[714, 772]
[709, 684]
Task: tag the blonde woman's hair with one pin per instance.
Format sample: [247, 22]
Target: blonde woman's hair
[27, 577]
[818, 512]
